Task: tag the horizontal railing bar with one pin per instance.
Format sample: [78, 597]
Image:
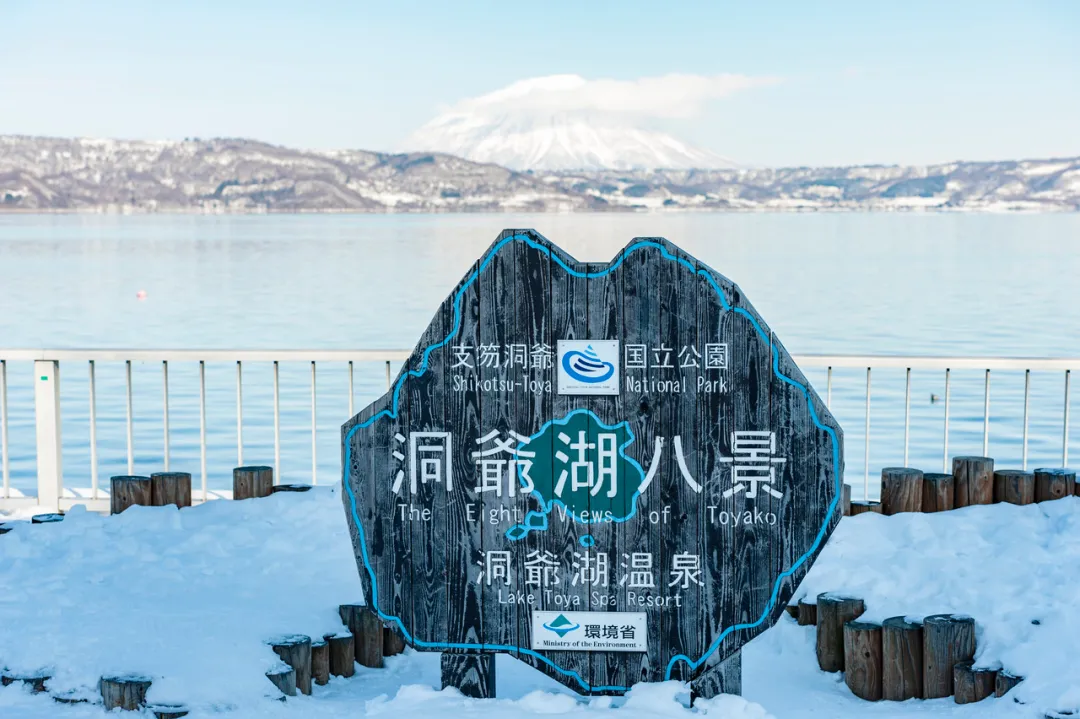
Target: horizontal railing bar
[121, 355]
[399, 355]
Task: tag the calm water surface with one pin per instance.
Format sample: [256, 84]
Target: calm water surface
[826, 283]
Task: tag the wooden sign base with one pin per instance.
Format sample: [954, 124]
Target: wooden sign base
[471, 673]
[724, 678]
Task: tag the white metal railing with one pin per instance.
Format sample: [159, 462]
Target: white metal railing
[47, 415]
[47, 409]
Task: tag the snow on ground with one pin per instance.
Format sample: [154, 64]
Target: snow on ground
[190, 596]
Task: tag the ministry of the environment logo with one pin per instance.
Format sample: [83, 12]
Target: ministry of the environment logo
[561, 626]
[588, 366]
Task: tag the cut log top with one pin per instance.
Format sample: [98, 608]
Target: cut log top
[288, 640]
[46, 518]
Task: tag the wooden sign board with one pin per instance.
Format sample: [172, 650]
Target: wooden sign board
[612, 471]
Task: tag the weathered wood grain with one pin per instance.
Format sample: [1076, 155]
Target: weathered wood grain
[367, 632]
[902, 659]
[807, 613]
[320, 662]
[833, 612]
[34, 681]
[862, 659]
[724, 678]
[424, 551]
[252, 482]
[863, 506]
[972, 685]
[471, 673]
[342, 654]
[901, 490]
[170, 488]
[1014, 486]
[947, 640]
[1053, 484]
[1004, 682]
[125, 691]
[126, 491]
[295, 650]
[393, 643]
[938, 492]
[284, 678]
[973, 481]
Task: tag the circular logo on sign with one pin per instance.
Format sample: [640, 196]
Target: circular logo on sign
[587, 366]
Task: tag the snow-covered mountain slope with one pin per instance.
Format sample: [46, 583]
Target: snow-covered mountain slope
[557, 122]
[190, 597]
[230, 175]
[558, 142]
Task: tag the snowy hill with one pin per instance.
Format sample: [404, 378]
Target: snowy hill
[231, 175]
[190, 597]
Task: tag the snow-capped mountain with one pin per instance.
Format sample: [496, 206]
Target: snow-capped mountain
[543, 124]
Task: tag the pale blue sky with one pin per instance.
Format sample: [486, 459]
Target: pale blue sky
[860, 82]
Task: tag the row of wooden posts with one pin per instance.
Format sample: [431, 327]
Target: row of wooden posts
[901, 658]
[364, 640]
[162, 488]
[973, 481]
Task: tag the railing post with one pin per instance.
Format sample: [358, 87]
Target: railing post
[47, 420]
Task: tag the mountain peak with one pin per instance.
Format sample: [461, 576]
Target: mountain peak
[558, 141]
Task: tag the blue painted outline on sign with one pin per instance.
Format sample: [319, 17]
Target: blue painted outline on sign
[590, 275]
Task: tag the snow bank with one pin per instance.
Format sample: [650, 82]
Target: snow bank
[1016, 570]
[190, 596]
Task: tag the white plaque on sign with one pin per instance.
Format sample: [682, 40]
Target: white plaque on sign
[590, 631]
[588, 366]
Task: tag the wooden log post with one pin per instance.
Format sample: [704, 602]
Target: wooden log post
[471, 673]
[833, 612]
[862, 659]
[128, 490]
[367, 631]
[845, 499]
[342, 654]
[862, 506]
[320, 662]
[948, 639]
[938, 492]
[5, 528]
[295, 650]
[1054, 484]
[127, 692]
[284, 678]
[290, 488]
[902, 659]
[1014, 486]
[167, 711]
[170, 488]
[973, 481]
[807, 614]
[792, 611]
[393, 643]
[46, 518]
[901, 490]
[972, 685]
[1004, 683]
[252, 482]
[34, 680]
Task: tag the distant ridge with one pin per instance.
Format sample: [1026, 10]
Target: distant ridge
[39, 174]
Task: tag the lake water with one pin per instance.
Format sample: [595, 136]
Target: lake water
[939, 284]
